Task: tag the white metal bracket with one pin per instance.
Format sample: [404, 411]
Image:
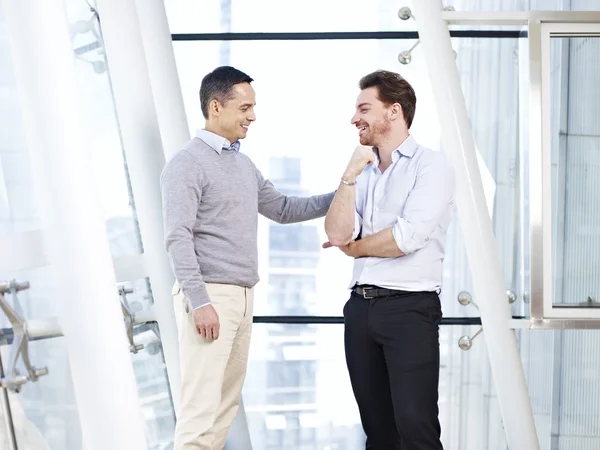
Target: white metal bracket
[129, 318]
[465, 298]
[13, 380]
[405, 13]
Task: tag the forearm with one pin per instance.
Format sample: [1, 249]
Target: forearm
[186, 269]
[381, 245]
[287, 209]
[300, 209]
[339, 221]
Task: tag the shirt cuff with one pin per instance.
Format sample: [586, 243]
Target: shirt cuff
[403, 235]
[201, 306]
[198, 297]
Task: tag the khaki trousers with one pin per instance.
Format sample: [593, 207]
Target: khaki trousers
[212, 372]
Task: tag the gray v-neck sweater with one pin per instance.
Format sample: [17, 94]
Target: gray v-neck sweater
[211, 202]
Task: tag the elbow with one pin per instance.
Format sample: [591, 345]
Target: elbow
[336, 234]
[282, 219]
[168, 240]
[338, 240]
[339, 243]
[277, 215]
[175, 235]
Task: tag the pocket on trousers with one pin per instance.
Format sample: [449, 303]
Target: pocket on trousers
[434, 315]
[436, 318]
[222, 293]
[186, 305]
[179, 297]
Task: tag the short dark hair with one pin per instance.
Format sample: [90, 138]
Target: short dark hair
[218, 85]
[393, 89]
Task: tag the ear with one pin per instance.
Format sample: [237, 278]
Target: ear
[214, 107]
[396, 112]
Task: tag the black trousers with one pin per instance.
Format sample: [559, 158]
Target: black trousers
[393, 357]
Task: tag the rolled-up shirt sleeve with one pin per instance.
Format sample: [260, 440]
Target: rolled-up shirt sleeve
[430, 198]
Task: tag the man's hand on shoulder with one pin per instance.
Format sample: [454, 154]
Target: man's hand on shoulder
[207, 323]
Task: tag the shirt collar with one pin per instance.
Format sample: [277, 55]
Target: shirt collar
[216, 142]
[407, 148]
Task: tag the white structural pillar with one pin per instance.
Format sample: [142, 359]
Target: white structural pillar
[75, 235]
[482, 252]
[142, 143]
[164, 78]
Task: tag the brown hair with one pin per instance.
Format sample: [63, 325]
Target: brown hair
[393, 89]
[219, 85]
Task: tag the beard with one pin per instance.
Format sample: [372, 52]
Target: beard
[376, 132]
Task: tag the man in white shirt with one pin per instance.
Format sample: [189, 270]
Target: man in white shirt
[391, 213]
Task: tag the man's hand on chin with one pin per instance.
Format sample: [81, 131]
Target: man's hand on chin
[350, 249]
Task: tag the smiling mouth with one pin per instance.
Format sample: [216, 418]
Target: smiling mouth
[361, 130]
[245, 127]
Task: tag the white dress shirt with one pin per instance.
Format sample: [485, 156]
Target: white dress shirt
[218, 143]
[414, 197]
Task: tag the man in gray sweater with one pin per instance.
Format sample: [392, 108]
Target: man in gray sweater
[212, 195]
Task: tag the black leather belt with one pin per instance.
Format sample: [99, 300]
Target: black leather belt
[369, 292]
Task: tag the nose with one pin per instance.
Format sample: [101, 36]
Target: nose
[354, 119]
[251, 116]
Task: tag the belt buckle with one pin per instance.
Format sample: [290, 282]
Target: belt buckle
[364, 293]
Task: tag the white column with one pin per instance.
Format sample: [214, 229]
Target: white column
[482, 253]
[145, 159]
[164, 78]
[75, 235]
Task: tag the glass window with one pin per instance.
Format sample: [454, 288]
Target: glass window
[18, 211]
[273, 16]
[268, 16]
[574, 143]
[44, 413]
[285, 170]
[562, 369]
[295, 237]
[150, 369]
[298, 395]
[302, 139]
[525, 5]
[101, 131]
